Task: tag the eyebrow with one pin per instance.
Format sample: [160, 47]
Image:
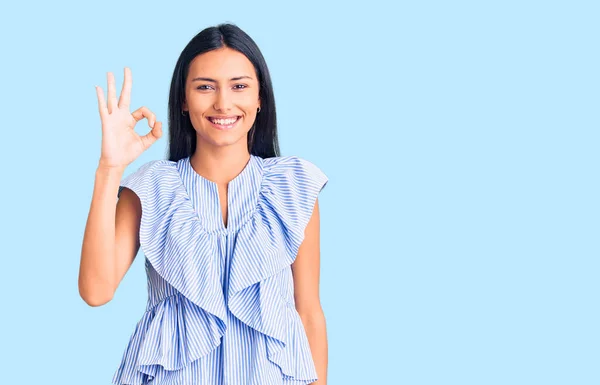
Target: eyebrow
[214, 81]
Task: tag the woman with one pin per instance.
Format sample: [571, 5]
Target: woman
[229, 228]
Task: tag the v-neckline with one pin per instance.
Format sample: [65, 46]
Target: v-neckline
[236, 185]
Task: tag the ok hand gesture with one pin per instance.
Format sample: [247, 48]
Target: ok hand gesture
[121, 145]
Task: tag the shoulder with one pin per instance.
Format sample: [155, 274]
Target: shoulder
[154, 166]
[292, 179]
[295, 169]
[290, 161]
[151, 173]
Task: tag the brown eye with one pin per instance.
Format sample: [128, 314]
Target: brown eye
[243, 85]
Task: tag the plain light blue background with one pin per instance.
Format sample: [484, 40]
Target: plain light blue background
[460, 223]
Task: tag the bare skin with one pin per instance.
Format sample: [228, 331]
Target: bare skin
[306, 272]
[111, 240]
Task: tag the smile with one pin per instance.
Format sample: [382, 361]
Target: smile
[224, 124]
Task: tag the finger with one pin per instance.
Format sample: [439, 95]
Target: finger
[125, 97]
[112, 93]
[152, 136]
[142, 112]
[101, 103]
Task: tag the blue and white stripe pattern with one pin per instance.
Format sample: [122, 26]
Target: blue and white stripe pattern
[221, 305]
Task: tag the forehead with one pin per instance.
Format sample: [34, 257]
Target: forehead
[222, 63]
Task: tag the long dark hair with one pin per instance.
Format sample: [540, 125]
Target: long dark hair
[262, 137]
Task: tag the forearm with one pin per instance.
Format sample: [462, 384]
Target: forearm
[316, 331]
[97, 268]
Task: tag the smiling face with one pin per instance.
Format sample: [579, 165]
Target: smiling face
[222, 84]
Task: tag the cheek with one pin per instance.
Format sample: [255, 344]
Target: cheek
[248, 98]
[199, 104]
[250, 106]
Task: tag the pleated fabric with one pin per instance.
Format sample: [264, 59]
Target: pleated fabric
[221, 307]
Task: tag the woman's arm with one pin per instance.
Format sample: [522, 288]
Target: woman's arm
[110, 241]
[306, 270]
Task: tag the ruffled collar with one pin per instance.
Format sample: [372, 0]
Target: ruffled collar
[243, 192]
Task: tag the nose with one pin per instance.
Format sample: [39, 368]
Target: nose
[223, 101]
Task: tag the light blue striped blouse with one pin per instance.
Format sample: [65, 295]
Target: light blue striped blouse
[221, 299]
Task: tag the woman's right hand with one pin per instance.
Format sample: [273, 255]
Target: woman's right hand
[121, 145]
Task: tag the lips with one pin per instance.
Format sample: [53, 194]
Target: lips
[222, 126]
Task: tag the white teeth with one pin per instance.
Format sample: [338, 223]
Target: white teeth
[223, 122]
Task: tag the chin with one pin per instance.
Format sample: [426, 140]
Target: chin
[221, 139]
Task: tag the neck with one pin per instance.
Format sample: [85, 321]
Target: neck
[219, 165]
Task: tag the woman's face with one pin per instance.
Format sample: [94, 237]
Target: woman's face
[222, 83]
